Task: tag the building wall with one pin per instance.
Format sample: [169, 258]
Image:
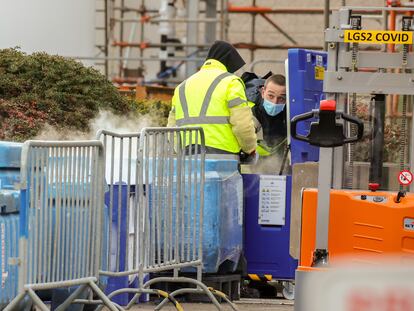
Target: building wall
[63, 27]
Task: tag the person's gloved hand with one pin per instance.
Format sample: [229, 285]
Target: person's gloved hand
[249, 159]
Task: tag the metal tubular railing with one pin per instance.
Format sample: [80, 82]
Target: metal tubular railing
[164, 186]
[61, 218]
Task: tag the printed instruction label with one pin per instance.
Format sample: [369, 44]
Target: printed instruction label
[272, 200]
[409, 224]
[378, 36]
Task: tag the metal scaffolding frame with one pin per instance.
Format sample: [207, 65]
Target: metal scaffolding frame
[120, 32]
[214, 14]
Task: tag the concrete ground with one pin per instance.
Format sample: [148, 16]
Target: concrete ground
[242, 305]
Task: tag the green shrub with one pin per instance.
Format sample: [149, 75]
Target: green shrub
[39, 88]
[157, 111]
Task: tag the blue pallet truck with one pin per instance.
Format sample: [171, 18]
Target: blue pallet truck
[267, 197]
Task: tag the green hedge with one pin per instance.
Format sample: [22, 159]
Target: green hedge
[39, 88]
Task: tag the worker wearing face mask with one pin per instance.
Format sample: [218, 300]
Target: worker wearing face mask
[271, 117]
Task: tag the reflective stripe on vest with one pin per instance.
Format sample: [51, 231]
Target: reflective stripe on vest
[202, 118]
[235, 102]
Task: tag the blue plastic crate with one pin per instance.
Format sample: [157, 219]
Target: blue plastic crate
[9, 236]
[223, 215]
[10, 154]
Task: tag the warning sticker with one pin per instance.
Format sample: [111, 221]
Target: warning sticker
[272, 200]
[319, 72]
[405, 178]
[378, 36]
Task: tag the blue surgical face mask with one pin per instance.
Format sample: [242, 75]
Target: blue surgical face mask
[271, 108]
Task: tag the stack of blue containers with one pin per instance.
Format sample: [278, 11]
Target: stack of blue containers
[222, 230]
[9, 219]
[223, 216]
[10, 155]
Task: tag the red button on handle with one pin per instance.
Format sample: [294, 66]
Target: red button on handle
[373, 186]
[327, 105]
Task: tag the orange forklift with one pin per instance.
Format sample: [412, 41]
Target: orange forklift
[338, 221]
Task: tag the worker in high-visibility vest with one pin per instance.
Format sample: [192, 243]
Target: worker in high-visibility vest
[270, 115]
[215, 99]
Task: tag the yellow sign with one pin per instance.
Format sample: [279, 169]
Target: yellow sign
[378, 36]
[319, 72]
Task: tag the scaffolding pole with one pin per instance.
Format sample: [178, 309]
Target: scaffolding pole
[192, 33]
[215, 12]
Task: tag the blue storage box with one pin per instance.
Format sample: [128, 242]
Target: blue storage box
[9, 237]
[223, 215]
[10, 154]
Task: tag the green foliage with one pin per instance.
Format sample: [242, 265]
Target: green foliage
[157, 111]
[20, 120]
[42, 88]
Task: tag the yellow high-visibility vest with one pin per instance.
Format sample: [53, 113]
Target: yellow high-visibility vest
[205, 100]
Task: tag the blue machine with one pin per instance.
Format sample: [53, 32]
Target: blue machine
[267, 245]
[273, 257]
[305, 85]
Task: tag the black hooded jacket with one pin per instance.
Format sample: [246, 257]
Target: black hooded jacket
[274, 128]
[226, 54]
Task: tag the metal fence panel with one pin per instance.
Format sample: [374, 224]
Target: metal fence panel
[61, 216]
[62, 213]
[171, 174]
[121, 171]
[161, 173]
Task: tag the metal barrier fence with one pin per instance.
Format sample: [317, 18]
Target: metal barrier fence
[162, 171]
[61, 217]
[121, 176]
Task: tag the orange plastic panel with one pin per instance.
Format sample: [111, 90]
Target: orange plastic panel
[360, 228]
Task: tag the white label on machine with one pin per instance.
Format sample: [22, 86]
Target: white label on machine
[319, 61]
[272, 200]
[409, 224]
